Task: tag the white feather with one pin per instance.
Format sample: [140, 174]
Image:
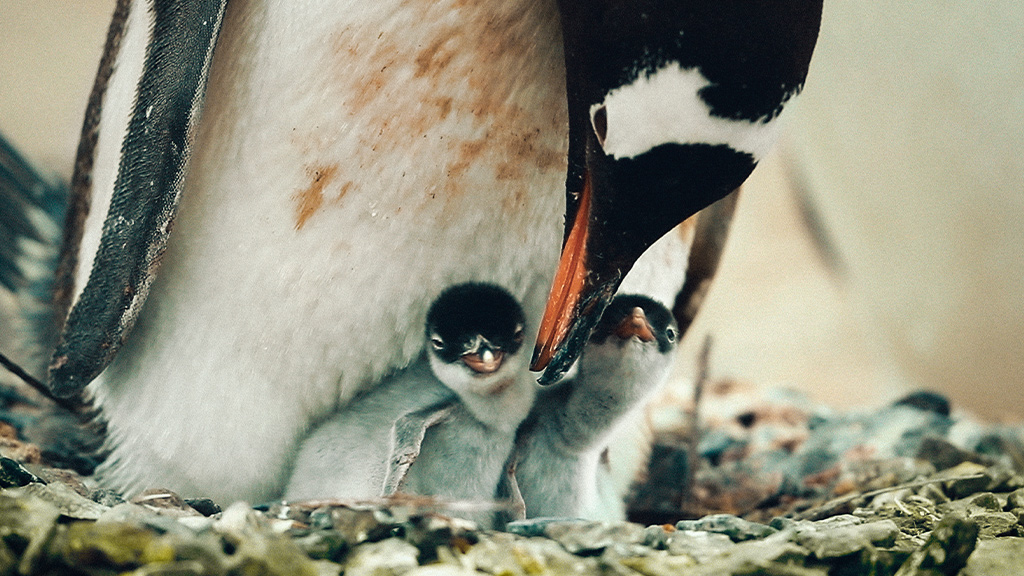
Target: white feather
[665, 107]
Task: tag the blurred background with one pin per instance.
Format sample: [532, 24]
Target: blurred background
[880, 250]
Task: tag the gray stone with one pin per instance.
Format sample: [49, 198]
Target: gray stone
[384, 558]
[985, 510]
[28, 519]
[738, 529]
[656, 537]
[993, 524]
[106, 497]
[986, 500]
[70, 503]
[510, 555]
[843, 540]
[323, 545]
[995, 557]
[774, 555]
[533, 527]
[660, 564]
[594, 537]
[966, 479]
[945, 552]
[700, 545]
[1016, 499]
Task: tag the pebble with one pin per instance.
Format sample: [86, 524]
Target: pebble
[384, 558]
[737, 529]
[991, 557]
[898, 516]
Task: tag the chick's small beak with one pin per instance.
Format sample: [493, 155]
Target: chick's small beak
[486, 361]
[635, 324]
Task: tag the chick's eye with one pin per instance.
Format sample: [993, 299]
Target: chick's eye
[436, 342]
[518, 335]
[671, 334]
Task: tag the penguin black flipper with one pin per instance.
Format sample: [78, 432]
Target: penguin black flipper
[32, 207]
[154, 152]
[24, 191]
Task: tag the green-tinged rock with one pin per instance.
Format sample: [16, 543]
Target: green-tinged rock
[966, 479]
[994, 524]
[70, 503]
[700, 545]
[985, 510]
[391, 557]
[441, 570]
[269, 555]
[323, 545]
[27, 524]
[8, 559]
[508, 555]
[996, 557]
[774, 555]
[737, 529]
[986, 500]
[1015, 499]
[591, 538]
[660, 564]
[945, 552]
[111, 545]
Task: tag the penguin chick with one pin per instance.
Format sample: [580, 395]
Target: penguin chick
[556, 461]
[475, 334]
[347, 455]
[444, 426]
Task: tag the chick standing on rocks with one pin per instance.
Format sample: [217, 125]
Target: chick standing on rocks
[556, 462]
[443, 427]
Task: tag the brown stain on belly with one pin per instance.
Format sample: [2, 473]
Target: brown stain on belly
[311, 198]
[455, 82]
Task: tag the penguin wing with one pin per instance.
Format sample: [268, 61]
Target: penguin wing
[162, 51]
[407, 439]
[31, 207]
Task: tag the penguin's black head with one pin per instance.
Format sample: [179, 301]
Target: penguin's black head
[480, 325]
[637, 317]
[671, 105]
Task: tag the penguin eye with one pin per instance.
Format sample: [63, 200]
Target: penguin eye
[436, 342]
[518, 335]
[670, 334]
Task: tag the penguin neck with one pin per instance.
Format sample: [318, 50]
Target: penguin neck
[500, 400]
[630, 371]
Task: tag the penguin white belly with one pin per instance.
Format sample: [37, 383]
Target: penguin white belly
[353, 159]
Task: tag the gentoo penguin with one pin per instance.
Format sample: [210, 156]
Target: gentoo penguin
[443, 427]
[249, 269]
[556, 462]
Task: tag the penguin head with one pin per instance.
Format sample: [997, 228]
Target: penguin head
[474, 334]
[671, 105]
[632, 344]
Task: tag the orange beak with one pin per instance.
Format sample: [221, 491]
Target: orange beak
[567, 287]
[635, 325]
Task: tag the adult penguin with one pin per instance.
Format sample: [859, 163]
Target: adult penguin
[287, 186]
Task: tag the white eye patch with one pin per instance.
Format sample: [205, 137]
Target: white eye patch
[665, 107]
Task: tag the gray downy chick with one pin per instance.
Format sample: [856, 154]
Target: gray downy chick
[556, 465]
[444, 426]
[475, 334]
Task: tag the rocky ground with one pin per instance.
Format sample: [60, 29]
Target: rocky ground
[770, 485]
